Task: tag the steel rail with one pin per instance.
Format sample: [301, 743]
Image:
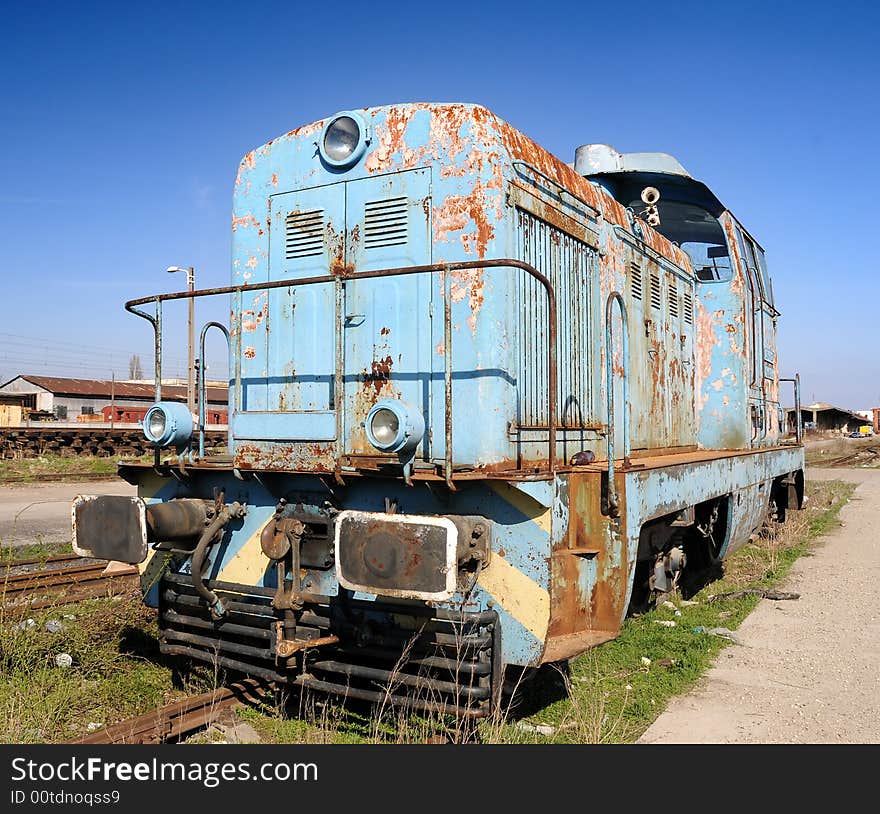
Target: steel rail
[171, 721]
[70, 580]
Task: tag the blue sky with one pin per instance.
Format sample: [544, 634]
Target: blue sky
[121, 131]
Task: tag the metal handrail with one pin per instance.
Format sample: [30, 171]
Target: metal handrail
[796, 381]
[615, 296]
[340, 275]
[202, 389]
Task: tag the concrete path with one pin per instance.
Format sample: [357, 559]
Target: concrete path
[808, 670]
[40, 513]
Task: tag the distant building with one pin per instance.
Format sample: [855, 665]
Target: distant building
[824, 417]
[12, 409]
[64, 399]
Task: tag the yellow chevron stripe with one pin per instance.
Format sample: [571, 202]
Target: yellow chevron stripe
[521, 597]
[248, 565]
[540, 515]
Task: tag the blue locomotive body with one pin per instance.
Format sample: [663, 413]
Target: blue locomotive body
[481, 402]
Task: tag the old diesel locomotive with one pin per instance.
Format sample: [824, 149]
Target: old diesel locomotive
[482, 401]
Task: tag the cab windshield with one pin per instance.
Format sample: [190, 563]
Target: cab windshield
[698, 233]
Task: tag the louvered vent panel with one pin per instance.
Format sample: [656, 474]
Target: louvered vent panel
[655, 291]
[688, 308]
[571, 266]
[385, 223]
[304, 234]
[635, 280]
[673, 299]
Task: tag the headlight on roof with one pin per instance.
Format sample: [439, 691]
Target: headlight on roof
[394, 426]
[343, 140]
[168, 423]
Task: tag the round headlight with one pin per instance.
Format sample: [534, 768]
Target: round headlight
[343, 140]
[393, 426]
[384, 426]
[157, 423]
[168, 423]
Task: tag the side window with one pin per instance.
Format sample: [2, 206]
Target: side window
[765, 277]
[753, 257]
[747, 250]
[711, 262]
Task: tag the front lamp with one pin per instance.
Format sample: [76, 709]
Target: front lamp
[168, 423]
[394, 426]
[343, 139]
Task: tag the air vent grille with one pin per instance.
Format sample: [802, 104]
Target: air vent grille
[655, 291]
[304, 234]
[672, 296]
[688, 308]
[385, 223]
[635, 280]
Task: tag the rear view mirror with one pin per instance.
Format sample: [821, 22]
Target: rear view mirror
[717, 251]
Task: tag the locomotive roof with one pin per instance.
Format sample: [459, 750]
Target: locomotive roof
[602, 160]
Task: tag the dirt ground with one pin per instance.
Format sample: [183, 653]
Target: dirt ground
[808, 671]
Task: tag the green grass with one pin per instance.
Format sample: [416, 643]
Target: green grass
[30, 470]
[117, 670]
[33, 551]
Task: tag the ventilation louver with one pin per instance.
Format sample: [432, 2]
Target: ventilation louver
[655, 291]
[673, 300]
[304, 234]
[385, 223]
[635, 280]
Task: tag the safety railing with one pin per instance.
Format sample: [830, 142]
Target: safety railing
[338, 279]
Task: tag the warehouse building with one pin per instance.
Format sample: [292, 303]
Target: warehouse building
[79, 400]
[824, 417]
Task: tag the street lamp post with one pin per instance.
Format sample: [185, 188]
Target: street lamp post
[190, 371]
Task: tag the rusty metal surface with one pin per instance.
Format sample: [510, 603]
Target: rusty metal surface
[172, 721]
[112, 527]
[590, 569]
[397, 555]
[448, 192]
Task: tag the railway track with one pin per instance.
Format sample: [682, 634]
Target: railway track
[42, 583]
[866, 456]
[60, 477]
[176, 720]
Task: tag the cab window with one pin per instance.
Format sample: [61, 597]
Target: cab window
[698, 233]
[753, 257]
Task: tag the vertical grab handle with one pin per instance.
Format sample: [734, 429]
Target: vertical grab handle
[447, 374]
[798, 426]
[202, 388]
[614, 296]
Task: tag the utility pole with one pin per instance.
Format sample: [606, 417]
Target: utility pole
[191, 368]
